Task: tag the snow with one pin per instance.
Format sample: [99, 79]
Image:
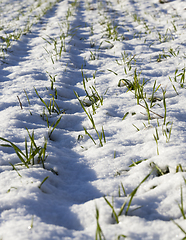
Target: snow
[103, 42]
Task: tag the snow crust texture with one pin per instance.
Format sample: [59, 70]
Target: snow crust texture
[92, 119]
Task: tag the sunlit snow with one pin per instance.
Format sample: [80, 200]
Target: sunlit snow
[101, 86]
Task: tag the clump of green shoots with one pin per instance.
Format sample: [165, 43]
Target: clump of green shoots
[135, 86]
[94, 56]
[111, 30]
[101, 136]
[28, 157]
[153, 99]
[57, 47]
[95, 100]
[182, 75]
[52, 126]
[125, 205]
[173, 52]
[51, 105]
[165, 37]
[52, 80]
[16, 33]
[179, 167]
[127, 60]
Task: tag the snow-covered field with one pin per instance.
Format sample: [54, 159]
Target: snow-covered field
[97, 88]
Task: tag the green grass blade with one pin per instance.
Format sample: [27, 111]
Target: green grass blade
[82, 105]
[6, 145]
[27, 97]
[32, 138]
[43, 101]
[164, 104]
[147, 109]
[33, 154]
[136, 127]
[181, 205]
[43, 181]
[26, 148]
[57, 107]
[180, 228]
[99, 233]
[22, 159]
[15, 169]
[112, 71]
[113, 211]
[16, 149]
[135, 190]
[122, 208]
[86, 132]
[121, 235]
[57, 122]
[103, 135]
[123, 189]
[126, 114]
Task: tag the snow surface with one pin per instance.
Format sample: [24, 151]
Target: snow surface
[152, 38]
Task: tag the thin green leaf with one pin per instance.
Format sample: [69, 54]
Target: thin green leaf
[43, 181]
[121, 235]
[57, 122]
[103, 135]
[43, 101]
[122, 208]
[26, 148]
[135, 190]
[89, 135]
[123, 190]
[15, 169]
[113, 211]
[126, 114]
[180, 228]
[32, 138]
[112, 71]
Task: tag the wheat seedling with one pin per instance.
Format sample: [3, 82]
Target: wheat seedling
[52, 126]
[154, 90]
[131, 196]
[167, 132]
[15, 169]
[52, 80]
[181, 207]
[156, 137]
[165, 107]
[99, 233]
[51, 106]
[101, 136]
[29, 156]
[43, 182]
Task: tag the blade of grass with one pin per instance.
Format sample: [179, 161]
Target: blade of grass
[134, 192]
[99, 233]
[16, 149]
[15, 169]
[43, 182]
[113, 211]
[57, 122]
[89, 135]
